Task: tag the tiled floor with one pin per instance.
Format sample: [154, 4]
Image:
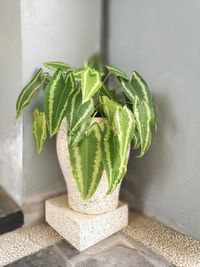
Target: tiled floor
[138, 244]
[24, 241]
[118, 251]
[181, 250]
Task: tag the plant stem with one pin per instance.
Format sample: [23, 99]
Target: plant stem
[106, 78]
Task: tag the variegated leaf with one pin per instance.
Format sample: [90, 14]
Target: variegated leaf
[125, 126]
[70, 82]
[74, 102]
[128, 102]
[128, 90]
[96, 62]
[83, 113]
[78, 116]
[136, 140]
[46, 78]
[116, 142]
[78, 73]
[86, 161]
[109, 108]
[117, 72]
[111, 152]
[28, 92]
[75, 137]
[55, 65]
[142, 113]
[140, 87]
[90, 83]
[108, 92]
[142, 90]
[81, 121]
[40, 131]
[56, 99]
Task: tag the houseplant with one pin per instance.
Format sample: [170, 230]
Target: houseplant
[95, 111]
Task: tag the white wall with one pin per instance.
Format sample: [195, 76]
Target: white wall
[10, 84]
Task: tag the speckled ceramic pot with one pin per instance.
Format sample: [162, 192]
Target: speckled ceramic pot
[100, 202]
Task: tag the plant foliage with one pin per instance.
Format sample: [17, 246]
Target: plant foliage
[79, 94]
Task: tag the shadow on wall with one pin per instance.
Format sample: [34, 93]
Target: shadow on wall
[145, 173]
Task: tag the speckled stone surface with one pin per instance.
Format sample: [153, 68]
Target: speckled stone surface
[115, 251]
[100, 202]
[81, 230]
[148, 237]
[181, 250]
[22, 242]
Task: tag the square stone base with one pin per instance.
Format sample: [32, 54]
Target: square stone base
[81, 230]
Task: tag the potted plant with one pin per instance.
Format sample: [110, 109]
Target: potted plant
[95, 111]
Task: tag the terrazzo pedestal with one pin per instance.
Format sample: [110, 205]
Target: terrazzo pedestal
[81, 230]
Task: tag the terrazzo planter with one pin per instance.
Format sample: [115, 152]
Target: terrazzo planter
[83, 230]
[100, 202]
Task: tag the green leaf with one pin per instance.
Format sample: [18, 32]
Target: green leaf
[90, 83]
[86, 161]
[117, 72]
[125, 126]
[40, 131]
[96, 62]
[74, 102]
[143, 92]
[128, 90]
[46, 78]
[70, 82]
[109, 108]
[78, 73]
[75, 137]
[142, 114]
[108, 92]
[140, 86]
[55, 65]
[78, 115]
[116, 142]
[111, 152]
[56, 99]
[136, 140]
[143, 108]
[127, 101]
[82, 114]
[28, 92]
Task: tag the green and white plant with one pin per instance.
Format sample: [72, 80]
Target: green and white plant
[95, 90]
